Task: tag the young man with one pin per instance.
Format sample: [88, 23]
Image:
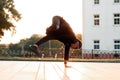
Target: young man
[59, 30]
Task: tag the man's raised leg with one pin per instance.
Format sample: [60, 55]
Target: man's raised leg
[35, 47]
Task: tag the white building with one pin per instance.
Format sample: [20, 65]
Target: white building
[101, 26]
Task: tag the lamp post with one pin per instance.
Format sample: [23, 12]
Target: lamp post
[49, 48]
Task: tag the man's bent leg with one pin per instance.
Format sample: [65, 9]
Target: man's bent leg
[44, 39]
[35, 47]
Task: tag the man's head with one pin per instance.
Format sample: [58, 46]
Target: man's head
[76, 45]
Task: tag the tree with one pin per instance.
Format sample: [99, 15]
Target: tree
[79, 36]
[8, 14]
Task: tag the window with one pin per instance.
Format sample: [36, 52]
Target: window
[96, 44]
[96, 1]
[96, 20]
[117, 19]
[116, 44]
[116, 1]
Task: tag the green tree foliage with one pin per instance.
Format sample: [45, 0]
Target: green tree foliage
[3, 50]
[8, 14]
[22, 48]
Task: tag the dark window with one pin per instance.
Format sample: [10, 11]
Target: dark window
[96, 44]
[116, 19]
[116, 1]
[96, 1]
[117, 44]
[96, 20]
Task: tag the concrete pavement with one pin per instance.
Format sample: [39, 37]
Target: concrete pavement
[43, 70]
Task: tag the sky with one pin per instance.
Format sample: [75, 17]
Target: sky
[37, 16]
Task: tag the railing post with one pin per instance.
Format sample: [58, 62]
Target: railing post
[92, 54]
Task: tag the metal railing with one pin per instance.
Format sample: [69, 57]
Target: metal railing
[101, 54]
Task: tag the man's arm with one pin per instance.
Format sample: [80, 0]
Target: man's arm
[66, 54]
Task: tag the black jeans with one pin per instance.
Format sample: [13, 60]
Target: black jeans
[47, 38]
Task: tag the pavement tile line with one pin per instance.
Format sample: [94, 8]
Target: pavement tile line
[83, 73]
[50, 73]
[11, 71]
[19, 71]
[6, 66]
[37, 74]
[60, 72]
[24, 70]
[53, 65]
[40, 73]
[64, 71]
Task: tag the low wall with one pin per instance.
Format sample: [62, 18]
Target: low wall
[101, 56]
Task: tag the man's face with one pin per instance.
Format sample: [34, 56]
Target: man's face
[75, 45]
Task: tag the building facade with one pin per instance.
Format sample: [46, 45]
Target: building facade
[101, 29]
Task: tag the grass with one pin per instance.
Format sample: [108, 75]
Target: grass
[58, 59]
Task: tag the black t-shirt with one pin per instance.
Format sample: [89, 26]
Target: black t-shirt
[64, 34]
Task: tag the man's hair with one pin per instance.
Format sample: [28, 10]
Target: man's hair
[80, 43]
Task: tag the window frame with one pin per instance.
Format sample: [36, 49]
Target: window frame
[117, 44]
[96, 20]
[96, 2]
[96, 44]
[116, 1]
[116, 18]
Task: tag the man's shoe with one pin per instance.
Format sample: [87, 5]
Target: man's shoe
[35, 49]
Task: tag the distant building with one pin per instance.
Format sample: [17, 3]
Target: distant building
[101, 28]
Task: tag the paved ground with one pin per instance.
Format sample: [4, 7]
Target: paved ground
[38, 70]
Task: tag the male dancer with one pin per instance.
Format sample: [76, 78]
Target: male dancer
[59, 30]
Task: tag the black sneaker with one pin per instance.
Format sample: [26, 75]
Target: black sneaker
[35, 49]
